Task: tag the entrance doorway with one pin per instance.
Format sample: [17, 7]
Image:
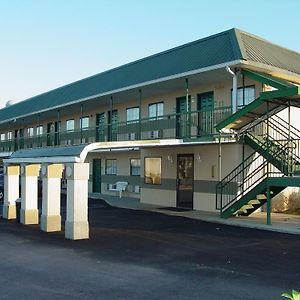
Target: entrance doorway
[185, 180]
[183, 124]
[205, 117]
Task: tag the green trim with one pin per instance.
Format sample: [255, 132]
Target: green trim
[289, 92]
[267, 79]
[233, 118]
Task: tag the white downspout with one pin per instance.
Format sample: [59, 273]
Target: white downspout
[234, 89]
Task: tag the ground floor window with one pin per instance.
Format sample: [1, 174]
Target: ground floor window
[111, 167]
[153, 170]
[135, 167]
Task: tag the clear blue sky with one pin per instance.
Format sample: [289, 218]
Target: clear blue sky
[48, 43]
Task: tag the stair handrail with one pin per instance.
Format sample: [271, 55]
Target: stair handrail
[233, 176]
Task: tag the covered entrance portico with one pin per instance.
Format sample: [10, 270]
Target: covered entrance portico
[25, 167]
[21, 173]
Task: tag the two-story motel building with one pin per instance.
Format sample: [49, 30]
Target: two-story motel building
[192, 127]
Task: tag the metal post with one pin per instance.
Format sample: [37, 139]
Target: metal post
[81, 112]
[110, 118]
[268, 170]
[140, 114]
[289, 156]
[269, 208]
[220, 158]
[219, 173]
[58, 123]
[187, 108]
[39, 127]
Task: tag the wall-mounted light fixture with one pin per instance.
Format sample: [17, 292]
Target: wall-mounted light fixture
[170, 158]
[198, 157]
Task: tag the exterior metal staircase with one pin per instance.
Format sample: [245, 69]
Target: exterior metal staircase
[273, 166]
[275, 162]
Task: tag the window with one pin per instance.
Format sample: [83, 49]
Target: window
[156, 110]
[84, 122]
[30, 131]
[245, 95]
[39, 130]
[135, 167]
[153, 170]
[9, 135]
[2, 137]
[132, 114]
[70, 125]
[111, 167]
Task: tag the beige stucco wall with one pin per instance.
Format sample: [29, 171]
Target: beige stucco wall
[123, 170]
[222, 96]
[205, 171]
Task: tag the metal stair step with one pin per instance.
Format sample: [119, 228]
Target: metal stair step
[261, 197]
[254, 202]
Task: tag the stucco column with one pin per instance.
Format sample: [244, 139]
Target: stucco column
[29, 194]
[11, 191]
[77, 226]
[50, 218]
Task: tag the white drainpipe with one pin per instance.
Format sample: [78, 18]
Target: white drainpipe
[234, 89]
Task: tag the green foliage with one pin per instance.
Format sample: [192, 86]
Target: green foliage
[294, 296]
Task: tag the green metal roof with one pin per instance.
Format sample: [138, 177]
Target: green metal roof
[72, 151]
[217, 49]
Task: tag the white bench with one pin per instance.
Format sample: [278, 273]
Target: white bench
[119, 187]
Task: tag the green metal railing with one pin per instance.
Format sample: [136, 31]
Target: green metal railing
[188, 126]
[277, 156]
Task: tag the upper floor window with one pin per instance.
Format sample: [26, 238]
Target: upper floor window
[84, 122]
[39, 130]
[132, 114]
[30, 131]
[111, 167]
[2, 137]
[9, 135]
[156, 110]
[245, 95]
[70, 125]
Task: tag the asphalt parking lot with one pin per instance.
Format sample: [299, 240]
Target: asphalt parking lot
[147, 255]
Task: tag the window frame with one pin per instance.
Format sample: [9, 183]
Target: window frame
[68, 122]
[132, 167]
[240, 104]
[115, 169]
[30, 132]
[81, 122]
[133, 120]
[156, 117]
[145, 166]
[38, 131]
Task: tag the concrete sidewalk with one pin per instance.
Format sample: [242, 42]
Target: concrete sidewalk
[280, 222]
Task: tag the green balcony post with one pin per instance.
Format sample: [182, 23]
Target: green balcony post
[269, 206]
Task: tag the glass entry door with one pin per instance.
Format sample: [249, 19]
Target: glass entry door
[185, 180]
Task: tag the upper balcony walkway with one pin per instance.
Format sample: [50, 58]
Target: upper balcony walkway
[191, 126]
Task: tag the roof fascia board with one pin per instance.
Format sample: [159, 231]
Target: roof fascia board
[274, 71]
[136, 86]
[267, 79]
[40, 160]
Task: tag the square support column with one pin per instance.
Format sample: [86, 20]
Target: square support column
[11, 191]
[51, 218]
[29, 194]
[77, 226]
